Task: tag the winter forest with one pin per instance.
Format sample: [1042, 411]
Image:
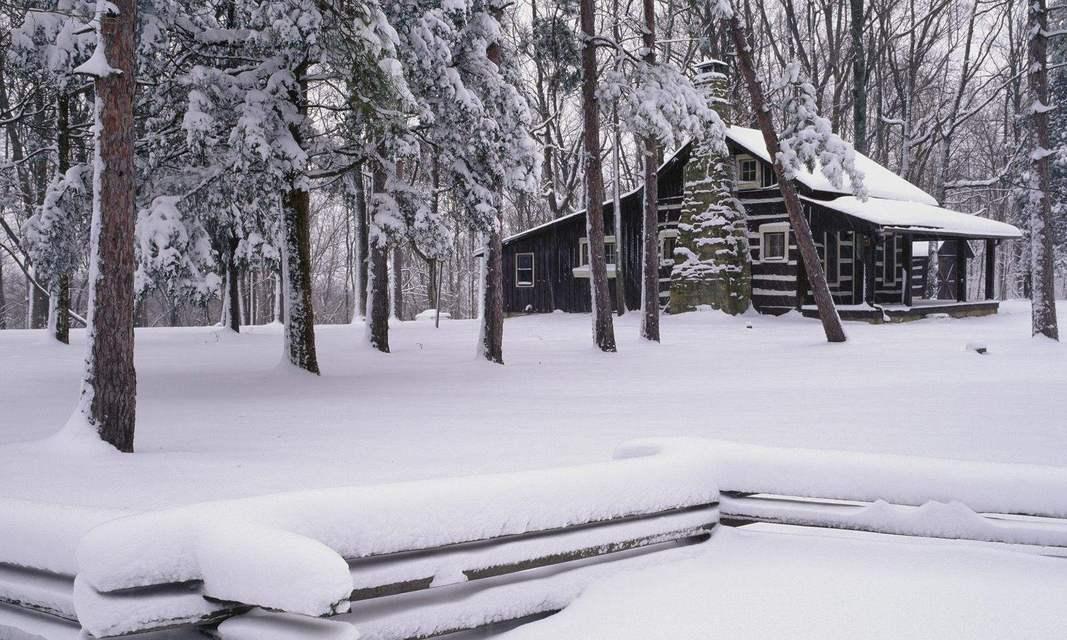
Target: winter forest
[417, 130]
[530, 319]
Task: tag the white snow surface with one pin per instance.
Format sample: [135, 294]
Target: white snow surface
[879, 181]
[919, 217]
[222, 424]
[747, 584]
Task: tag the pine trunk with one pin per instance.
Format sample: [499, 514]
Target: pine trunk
[109, 389]
[859, 79]
[233, 293]
[831, 322]
[378, 281]
[362, 241]
[603, 327]
[491, 340]
[650, 236]
[296, 211]
[398, 282]
[60, 322]
[1043, 288]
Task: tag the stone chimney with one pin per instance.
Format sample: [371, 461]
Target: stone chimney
[712, 77]
[711, 260]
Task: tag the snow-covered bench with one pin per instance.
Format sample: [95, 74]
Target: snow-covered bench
[408, 560]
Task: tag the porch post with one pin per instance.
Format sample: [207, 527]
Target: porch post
[990, 268]
[961, 270]
[869, 267]
[906, 258]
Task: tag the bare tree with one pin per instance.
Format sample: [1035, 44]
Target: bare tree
[831, 322]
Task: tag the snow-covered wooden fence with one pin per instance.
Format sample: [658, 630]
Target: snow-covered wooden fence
[421, 559]
[409, 560]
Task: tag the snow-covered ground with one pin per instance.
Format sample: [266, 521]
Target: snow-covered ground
[219, 418]
[758, 585]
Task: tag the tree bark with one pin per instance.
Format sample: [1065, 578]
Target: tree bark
[3, 297]
[1043, 292]
[296, 212]
[831, 322]
[233, 291]
[859, 79]
[650, 236]
[398, 282]
[362, 240]
[603, 328]
[378, 280]
[59, 318]
[491, 340]
[109, 388]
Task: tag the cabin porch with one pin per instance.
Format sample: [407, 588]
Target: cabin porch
[906, 261]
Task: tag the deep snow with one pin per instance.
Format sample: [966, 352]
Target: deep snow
[218, 417]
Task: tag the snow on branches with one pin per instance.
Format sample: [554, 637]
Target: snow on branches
[659, 101]
[807, 138]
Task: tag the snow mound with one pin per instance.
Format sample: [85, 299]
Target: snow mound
[867, 477]
[290, 551]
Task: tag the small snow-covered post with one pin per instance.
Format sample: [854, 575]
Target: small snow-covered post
[109, 386]
[1043, 289]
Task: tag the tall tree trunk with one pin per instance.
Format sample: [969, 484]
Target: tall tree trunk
[650, 236]
[1043, 291]
[59, 313]
[378, 279]
[831, 322]
[109, 388]
[491, 338]
[296, 212]
[616, 178]
[3, 297]
[603, 328]
[232, 314]
[362, 240]
[859, 79]
[398, 282]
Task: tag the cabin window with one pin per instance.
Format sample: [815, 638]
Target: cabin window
[774, 242]
[747, 173]
[889, 260]
[524, 270]
[667, 241]
[609, 251]
[831, 263]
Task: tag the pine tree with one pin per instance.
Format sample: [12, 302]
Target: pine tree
[109, 386]
[603, 328]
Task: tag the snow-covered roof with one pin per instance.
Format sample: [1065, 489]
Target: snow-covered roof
[880, 182]
[916, 217]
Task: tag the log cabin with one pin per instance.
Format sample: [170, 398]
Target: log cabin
[866, 246]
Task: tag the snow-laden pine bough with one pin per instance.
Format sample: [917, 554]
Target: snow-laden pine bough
[410, 560]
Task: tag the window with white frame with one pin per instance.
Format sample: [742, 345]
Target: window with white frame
[524, 269]
[668, 240]
[831, 262]
[774, 242]
[609, 251]
[748, 171]
[889, 260]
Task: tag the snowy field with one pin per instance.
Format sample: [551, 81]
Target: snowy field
[218, 417]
